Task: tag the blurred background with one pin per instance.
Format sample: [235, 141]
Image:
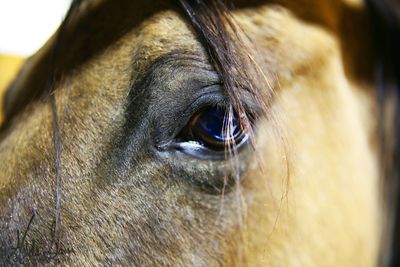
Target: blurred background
[25, 25]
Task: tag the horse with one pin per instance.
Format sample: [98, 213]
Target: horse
[203, 133]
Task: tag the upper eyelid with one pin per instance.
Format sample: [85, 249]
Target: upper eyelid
[211, 90]
[167, 72]
[173, 99]
[249, 102]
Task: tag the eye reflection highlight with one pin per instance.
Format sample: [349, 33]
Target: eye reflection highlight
[209, 128]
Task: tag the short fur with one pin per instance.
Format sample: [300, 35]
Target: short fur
[105, 188]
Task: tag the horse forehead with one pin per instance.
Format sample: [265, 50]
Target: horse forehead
[164, 32]
[150, 29]
[130, 57]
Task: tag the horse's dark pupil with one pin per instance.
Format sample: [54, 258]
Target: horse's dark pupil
[211, 125]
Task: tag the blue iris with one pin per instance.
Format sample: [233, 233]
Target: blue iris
[211, 126]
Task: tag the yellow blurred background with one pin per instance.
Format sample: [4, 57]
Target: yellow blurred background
[9, 66]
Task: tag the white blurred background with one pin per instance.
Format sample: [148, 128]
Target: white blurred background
[26, 24]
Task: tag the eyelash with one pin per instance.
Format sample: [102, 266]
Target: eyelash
[209, 132]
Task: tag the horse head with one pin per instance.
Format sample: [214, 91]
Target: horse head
[162, 133]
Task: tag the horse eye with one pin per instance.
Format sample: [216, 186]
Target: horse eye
[214, 129]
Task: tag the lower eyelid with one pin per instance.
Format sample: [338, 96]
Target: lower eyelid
[197, 150]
